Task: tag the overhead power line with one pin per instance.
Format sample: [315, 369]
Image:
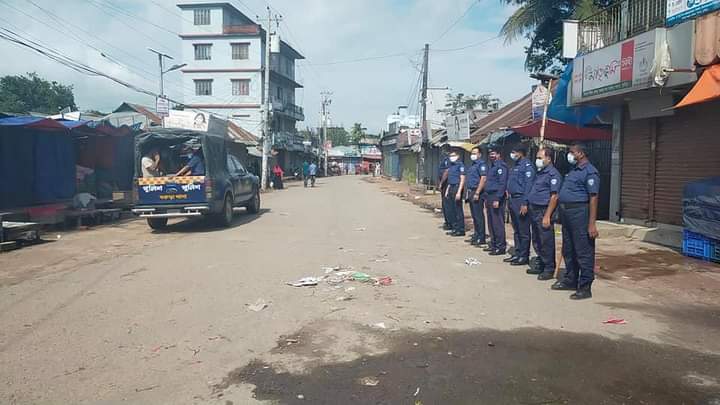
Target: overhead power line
[467, 11]
[473, 45]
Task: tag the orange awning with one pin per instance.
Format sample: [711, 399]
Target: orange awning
[706, 89]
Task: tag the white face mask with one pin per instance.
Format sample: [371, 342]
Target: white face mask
[473, 157]
[571, 158]
[514, 156]
[539, 163]
[453, 159]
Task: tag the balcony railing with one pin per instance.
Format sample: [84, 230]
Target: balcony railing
[249, 29]
[620, 21]
[288, 109]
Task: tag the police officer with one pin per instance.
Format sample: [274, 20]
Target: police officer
[454, 193]
[543, 200]
[495, 189]
[476, 179]
[521, 179]
[442, 180]
[578, 199]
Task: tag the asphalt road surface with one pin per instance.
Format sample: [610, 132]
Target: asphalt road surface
[204, 315]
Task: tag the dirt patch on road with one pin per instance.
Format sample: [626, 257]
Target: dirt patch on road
[524, 366]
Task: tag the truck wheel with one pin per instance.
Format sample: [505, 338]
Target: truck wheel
[157, 223]
[225, 218]
[254, 206]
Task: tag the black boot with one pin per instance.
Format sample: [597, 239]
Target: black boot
[582, 294]
[520, 261]
[563, 286]
[497, 253]
[447, 227]
[510, 259]
[533, 270]
[488, 249]
[545, 276]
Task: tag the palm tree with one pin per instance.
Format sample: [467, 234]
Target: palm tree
[541, 21]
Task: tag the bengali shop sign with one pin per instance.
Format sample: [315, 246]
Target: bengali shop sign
[616, 69]
[678, 11]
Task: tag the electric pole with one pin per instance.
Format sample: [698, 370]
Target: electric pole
[326, 101]
[424, 129]
[267, 112]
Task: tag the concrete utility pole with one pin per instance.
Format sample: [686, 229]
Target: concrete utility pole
[424, 129]
[161, 61]
[267, 112]
[326, 101]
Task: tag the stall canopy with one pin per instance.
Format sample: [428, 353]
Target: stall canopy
[562, 132]
[706, 89]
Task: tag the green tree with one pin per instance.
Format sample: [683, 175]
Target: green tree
[541, 22]
[31, 93]
[356, 133]
[338, 136]
[457, 103]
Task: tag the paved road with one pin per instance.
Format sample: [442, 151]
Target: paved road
[122, 314]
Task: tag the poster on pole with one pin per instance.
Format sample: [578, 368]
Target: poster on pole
[458, 126]
[540, 97]
[162, 106]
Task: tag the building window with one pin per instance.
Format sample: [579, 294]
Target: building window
[202, 51]
[203, 87]
[240, 51]
[240, 87]
[202, 16]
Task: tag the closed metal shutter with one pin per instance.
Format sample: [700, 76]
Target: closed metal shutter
[688, 149]
[636, 153]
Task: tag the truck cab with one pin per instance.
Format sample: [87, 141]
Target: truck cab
[183, 174]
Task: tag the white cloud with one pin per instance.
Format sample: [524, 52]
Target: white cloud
[324, 30]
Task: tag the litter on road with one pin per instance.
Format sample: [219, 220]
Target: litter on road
[305, 282]
[615, 321]
[385, 281]
[361, 229]
[471, 261]
[369, 381]
[379, 325]
[258, 306]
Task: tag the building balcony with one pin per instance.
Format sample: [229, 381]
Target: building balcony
[288, 109]
[248, 29]
[618, 22]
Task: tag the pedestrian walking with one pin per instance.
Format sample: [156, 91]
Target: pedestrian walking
[520, 181]
[312, 172]
[578, 199]
[476, 179]
[543, 200]
[454, 194]
[496, 188]
[277, 177]
[305, 173]
[442, 181]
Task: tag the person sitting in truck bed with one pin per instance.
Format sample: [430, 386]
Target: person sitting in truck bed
[151, 164]
[195, 166]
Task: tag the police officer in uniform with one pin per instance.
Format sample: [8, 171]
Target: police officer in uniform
[522, 176]
[454, 193]
[543, 201]
[578, 211]
[476, 179]
[442, 180]
[495, 189]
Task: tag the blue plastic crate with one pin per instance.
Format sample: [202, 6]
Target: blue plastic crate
[699, 246]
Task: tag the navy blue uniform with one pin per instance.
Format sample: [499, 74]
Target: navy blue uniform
[478, 170]
[521, 180]
[444, 164]
[495, 188]
[456, 214]
[578, 247]
[547, 182]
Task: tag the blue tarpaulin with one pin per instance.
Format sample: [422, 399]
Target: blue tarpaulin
[558, 109]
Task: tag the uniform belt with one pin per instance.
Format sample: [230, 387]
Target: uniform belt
[538, 206]
[573, 205]
[516, 195]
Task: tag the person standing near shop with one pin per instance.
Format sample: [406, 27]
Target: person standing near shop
[496, 187]
[543, 200]
[578, 199]
[476, 179]
[454, 193]
[520, 181]
[442, 181]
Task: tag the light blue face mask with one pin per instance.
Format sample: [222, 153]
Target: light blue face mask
[571, 159]
[514, 156]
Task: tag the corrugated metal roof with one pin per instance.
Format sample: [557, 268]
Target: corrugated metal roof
[240, 135]
[517, 113]
[146, 111]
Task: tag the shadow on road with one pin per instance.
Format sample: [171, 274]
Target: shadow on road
[194, 225]
[522, 366]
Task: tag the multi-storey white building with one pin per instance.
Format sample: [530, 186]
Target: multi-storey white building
[225, 55]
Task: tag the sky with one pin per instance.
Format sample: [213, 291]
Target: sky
[113, 36]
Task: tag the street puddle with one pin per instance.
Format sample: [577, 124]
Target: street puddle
[522, 366]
